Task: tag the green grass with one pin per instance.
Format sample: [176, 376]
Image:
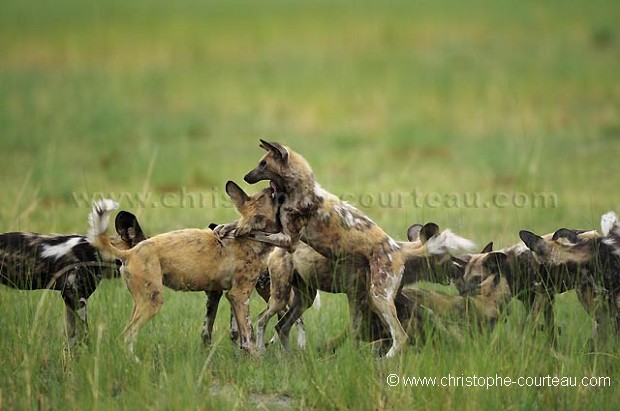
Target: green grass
[442, 98]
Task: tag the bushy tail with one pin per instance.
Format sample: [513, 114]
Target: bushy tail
[450, 243]
[99, 219]
[610, 224]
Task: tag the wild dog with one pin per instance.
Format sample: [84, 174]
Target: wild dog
[532, 283]
[481, 301]
[333, 228]
[591, 262]
[262, 289]
[193, 260]
[426, 258]
[65, 263]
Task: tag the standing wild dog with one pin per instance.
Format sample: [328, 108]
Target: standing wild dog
[193, 260]
[592, 262]
[426, 258]
[263, 285]
[532, 283]
[65, 263]
[333, 228]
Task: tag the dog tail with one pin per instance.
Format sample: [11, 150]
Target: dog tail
[610, 224]
[99, 219]
[448, 242]
[317, 301]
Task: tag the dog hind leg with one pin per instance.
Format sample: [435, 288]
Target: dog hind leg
[385, 280]
[280, 292]
[147, 291]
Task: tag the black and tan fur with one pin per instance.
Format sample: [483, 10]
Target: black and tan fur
[194, 260]
[531, 282]
[591, 262]
[65, 263]
[333, 228]
[423, 261]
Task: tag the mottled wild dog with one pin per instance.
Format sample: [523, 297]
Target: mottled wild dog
[194, 260]
[532, 283]
[592, 264]
[426, 258]
[333, 228]
[65, 263]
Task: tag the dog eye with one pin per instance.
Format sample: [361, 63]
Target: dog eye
[263, 163]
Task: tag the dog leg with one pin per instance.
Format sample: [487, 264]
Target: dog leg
[213, 301]
[148, 295]
[301, 301]
[384, 284]
[76, 319]
[278, 239]
[239, 298]
[281, 273]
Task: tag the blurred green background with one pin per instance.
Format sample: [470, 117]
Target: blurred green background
[456, 102]
[381, 97]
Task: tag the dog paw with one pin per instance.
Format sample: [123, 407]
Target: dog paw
[224, 230]
[241, 231]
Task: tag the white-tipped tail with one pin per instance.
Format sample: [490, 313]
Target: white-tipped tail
[317, 301]
[99, 218]
[609, 222]
[448, 242]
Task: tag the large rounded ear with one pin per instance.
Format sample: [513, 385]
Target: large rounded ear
[277, 149]
[212, 226]
[497, 263]
[413, 232]
[564, 236]
[128, 229]
[458, 267]
[236, 194]
[487, 248]
[428, 230]
[534, 242]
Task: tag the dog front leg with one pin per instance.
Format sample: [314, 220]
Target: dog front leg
[239, 298]
[213, 301]
[278, 239]
[76, 320]
[225, 230]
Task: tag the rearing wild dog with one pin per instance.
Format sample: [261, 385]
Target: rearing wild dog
[427, 258]
[194, 260]
[333, 228]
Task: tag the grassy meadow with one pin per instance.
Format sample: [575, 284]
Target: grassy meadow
[486, 117]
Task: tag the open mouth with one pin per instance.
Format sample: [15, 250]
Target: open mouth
[276, 188]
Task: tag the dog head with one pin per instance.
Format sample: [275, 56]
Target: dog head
[258, 212]
[485, 273]
[282, 167]
[564, 247]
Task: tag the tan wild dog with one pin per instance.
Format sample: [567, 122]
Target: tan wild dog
[333, 228]
[193, 260]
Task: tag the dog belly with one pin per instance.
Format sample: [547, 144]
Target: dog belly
[203, 281]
